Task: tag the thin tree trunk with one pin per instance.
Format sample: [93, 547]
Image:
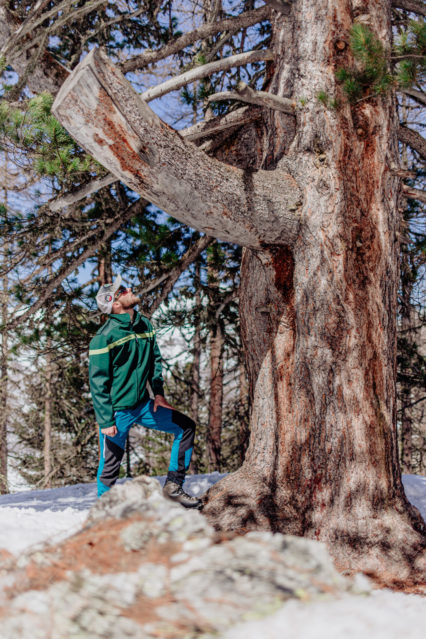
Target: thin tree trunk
[214, 431]
[48, 401]
[4, 372]
[406, 425]
[196, 360]
[214, 428]
[4, 387]
[405, 388]
[105, 268]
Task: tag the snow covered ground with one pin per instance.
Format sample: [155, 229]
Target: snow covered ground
[34, 517]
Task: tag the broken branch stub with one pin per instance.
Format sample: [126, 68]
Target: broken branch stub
[103, 113]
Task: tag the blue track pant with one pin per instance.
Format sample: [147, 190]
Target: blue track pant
[164, 419]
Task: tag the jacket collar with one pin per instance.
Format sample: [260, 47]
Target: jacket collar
[123, 319]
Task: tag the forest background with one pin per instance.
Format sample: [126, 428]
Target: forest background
[67, 226]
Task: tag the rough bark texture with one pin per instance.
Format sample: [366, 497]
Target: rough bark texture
[244, 432]
[318, 323]
[4, 368]
[196, 363]
[317, 305]
[101, 110]
[416, 6]
[413, 139]
[214, 429]
[3, 409]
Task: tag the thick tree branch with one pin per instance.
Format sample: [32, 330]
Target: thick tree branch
[260, 98]
[172, 277]
[206, 70]
[416, 95]
[103, 113]
[132, 210]
[413, 194]
[415, 6]
[246, 19]
[198, 131]
[413, 139]
[80, 194]
[221, 123]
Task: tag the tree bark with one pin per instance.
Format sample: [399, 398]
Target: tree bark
[103, 113]
[4, 386]
[48, 401]
[4, 372]
[317, 304]
[413, 139]
[244, 432]
[214, 428]
[211, 28]
[319, 328]
[415, 6]
[196, 362]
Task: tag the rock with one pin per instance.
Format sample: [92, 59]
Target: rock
[144, 567]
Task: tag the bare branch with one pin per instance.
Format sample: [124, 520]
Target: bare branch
[172, 277]
[245, 94]
[205, 70]
[105, 115]
[402, 173]
[408, 56]
[416, 95]
[411, 404]
[246, 19]
[415, 6]
[80, 194]
[132, 210]
[31, 23]
[221, 123]
[413, 194]
[48, 75]
[413, 139]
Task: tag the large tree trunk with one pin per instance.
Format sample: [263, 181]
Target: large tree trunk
[318, 213]
[319, 324]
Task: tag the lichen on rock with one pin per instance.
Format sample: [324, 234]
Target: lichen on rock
[145, 567]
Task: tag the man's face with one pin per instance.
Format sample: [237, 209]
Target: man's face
[125, 297]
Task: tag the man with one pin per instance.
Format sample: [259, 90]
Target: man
[123, 358]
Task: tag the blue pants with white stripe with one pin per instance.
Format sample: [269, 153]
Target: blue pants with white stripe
[164, 419]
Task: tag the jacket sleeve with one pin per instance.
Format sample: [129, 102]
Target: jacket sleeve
[156, 374]
[100, 377]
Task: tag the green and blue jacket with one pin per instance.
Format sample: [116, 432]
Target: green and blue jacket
[123, 358]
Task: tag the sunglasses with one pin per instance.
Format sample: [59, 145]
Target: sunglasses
[120, 291]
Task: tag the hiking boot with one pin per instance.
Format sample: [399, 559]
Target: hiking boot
[176, 493]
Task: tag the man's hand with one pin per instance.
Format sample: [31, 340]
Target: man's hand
[111, 431]
[160, 401]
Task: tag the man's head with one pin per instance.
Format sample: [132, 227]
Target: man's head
[116, 298]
